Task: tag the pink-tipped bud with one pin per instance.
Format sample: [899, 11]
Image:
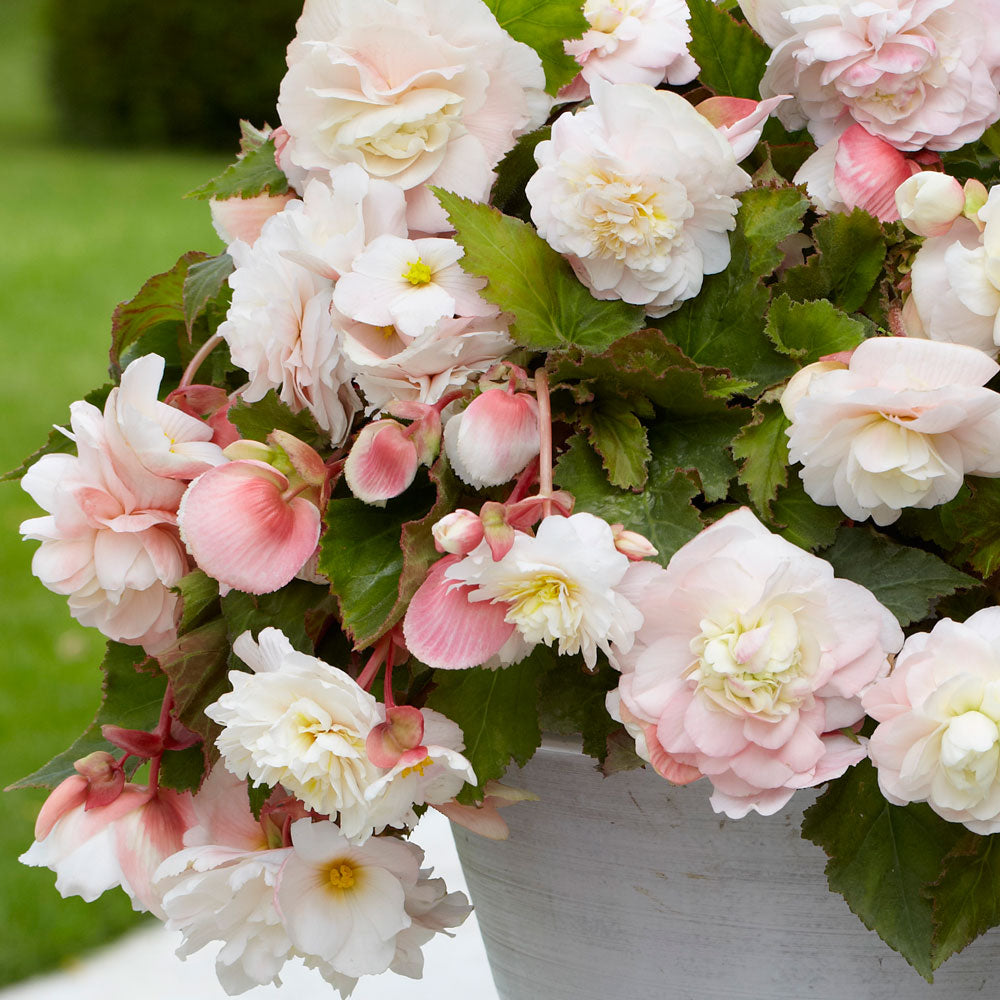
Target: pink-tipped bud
[382, 462]
[929, 202]
[243, 218]
[400, 734]
[458, 532]
[630, 543]
[425, 431]
[305, 467]
[105, 779]
[523, 514]
[211, 404]
[250, 451]
[136, 742]
[494, 438]
[498, 533]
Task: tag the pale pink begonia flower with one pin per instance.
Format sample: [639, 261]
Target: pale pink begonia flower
[155, 448]
[561, 587]
[301, 723]
[242, 218]
[389, 366]
[940, 275]
[245, 526]
[739, 119]
[409, 284]
[634, 41]
[915, 74]
[938, 738]
[418, 92]
[929, 202]
[956, 281]
[114, 559]
[751, 658]
[122, 843]
[493, 438]
[859, 170]
[279, 326]
[900, 427]
[637, 190]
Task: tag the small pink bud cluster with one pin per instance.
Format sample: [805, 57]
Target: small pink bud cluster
[929, 202]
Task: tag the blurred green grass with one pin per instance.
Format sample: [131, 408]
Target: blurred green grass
[82, 231]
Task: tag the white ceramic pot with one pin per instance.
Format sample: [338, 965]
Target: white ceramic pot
[627, 888]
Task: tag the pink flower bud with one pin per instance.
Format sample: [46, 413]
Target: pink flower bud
[382, 462]
[458, 532]
[630, 543]
[494, 438]
[498, 533]
[105, 779]
[247, 527]
[929, 202]
[400, 734]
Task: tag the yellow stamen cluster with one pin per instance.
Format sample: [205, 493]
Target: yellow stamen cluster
[341, 875]
[418, 273]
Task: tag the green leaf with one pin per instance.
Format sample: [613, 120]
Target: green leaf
[57, 442]
[808, 330]
[975, 522]
[907, 581]
[848, 263]
[730, 55]
[724, 324]
[203, 282]
[696, 426]
[199, 599]
[286, 609]
[132, 698]
[497, 711]
[258, 795]
[361, 552]
[159, 301]
[255, 421]
[527, 278]
[183, 770]
[662, 512]
[967, 895]
[544, 25]
[801, 520]
[620, 439]
[254, 172]
[198, 667]
[513, 172]
[572, 700]
[763, 446]
[882, 857]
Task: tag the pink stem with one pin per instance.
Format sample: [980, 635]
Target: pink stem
[524, 482]
[195, 363]
[545, 440]
[387, 687]
[163, 731]
[371, 667]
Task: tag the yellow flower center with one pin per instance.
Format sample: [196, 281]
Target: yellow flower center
[416, 768]
[341, 875]
[418, 272]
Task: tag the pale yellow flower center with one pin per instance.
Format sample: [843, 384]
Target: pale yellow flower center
[753, 664]
[543, 607]
[416, 768]
[418, 273]
[341, 875]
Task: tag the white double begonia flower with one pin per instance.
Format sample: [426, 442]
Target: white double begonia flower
[638, 191]
[900, 427]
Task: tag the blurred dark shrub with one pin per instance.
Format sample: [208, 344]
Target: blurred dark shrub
[167, 72]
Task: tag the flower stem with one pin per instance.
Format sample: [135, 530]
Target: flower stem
[195, 363]
[545, 440]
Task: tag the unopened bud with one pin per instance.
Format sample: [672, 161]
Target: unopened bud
[798, 385]
[976, 196]
[929, 202]
[458, 532]
[382, 462]
[630, 543]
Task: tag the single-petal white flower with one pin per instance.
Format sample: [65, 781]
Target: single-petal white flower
[409, 284]
[900, 427]
[279, 326]
[638, 191]
[560, 587]
[938, 738]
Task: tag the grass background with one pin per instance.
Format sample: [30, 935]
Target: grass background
[82, 231]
